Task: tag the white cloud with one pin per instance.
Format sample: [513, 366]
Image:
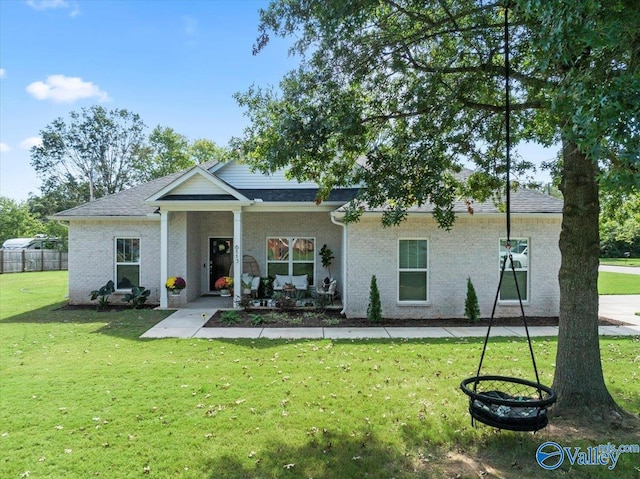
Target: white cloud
[60, 88]
[51, 4]
[30, 142]
[40, 5]
[3, 73]
[4, 148]
[46, 4]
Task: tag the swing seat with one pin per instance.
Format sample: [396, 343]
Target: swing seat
[508, 403]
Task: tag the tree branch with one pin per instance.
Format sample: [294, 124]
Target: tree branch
[495, 70]
[443, 21]
[396, 116]
[527, 105]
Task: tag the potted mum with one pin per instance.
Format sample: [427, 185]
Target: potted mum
[175, 284]
[224, 284]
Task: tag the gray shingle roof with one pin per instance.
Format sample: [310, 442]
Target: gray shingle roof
[128, 202]
[131, 202]
[343, 195]
[522, 201]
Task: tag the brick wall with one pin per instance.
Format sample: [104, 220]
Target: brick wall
[92, 256]
[470, 249]
[92, 247]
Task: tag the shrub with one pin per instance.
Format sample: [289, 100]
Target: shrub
[321, 302]
[137, 297]
[330, 321]
[102, 295]
[471, 307]
[244, 302]
[374, 310]
[230, 317]
[258, 319]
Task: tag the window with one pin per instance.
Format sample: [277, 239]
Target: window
[127, 263]
[520, 255]
[291, 256]
[412, 270]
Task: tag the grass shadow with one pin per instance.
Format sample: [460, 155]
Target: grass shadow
[327, 455]
[466, 453]
[122, 323]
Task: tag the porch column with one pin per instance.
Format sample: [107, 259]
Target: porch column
[237, 257]
[164, 259]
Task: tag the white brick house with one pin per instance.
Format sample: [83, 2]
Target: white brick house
[195, 224]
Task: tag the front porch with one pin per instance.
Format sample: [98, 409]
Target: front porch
[208, 245]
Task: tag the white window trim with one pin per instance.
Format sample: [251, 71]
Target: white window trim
[507, 271]
[291, 261]
[427, 270]
[116, 263]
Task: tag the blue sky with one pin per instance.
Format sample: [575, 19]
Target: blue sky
[175, 63]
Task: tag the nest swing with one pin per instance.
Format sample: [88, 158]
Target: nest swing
[500, 401]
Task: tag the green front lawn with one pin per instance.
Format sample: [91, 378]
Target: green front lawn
[618, 283]
[81, 396]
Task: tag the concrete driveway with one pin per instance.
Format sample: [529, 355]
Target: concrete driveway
[620, 269]
[620, 307]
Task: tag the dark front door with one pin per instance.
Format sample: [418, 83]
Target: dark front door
[219, 259]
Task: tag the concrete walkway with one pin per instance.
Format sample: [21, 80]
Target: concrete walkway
[189, 322]
[620, 269]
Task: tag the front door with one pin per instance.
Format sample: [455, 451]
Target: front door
[220, 257]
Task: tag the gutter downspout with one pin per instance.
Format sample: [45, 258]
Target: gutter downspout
[344, 260]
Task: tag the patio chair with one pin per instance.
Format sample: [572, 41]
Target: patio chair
[250, 273]
[330, 290]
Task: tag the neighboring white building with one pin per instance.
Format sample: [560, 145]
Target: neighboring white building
[197, 223]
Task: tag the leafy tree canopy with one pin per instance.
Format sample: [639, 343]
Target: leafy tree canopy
[17, 221]
[620, 225]
[166, 153]
[98, 152]
[203, 150]
[417, 88]
[169, 152]
[94, 148]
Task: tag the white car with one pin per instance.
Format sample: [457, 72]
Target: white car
[520, 258]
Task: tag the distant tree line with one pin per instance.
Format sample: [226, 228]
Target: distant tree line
[93, 153]
[620, 226]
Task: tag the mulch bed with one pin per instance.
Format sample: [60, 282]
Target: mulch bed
[332, 318]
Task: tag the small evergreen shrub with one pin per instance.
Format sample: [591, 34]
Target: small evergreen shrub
[230, 317]
[471, 307]
[374, 310]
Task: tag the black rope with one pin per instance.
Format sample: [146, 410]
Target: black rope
[508, 256]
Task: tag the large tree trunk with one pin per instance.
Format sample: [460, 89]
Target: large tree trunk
[579, 381]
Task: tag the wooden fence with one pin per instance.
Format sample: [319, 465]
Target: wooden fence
[19, 261]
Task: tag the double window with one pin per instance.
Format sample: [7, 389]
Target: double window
[520, 255]
[127, 263]
[413, 270]
[291, 256]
